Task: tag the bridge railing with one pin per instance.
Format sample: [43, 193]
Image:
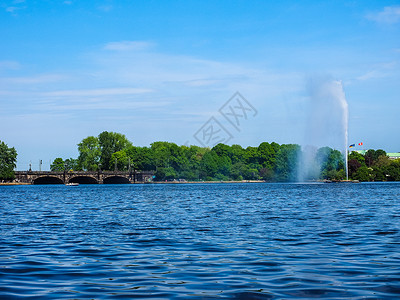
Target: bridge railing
[84, 172]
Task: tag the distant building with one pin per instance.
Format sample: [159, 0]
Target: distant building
[393, 155]
[390, 155]
[362, 152]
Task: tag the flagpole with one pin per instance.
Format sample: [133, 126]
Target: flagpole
[347, 158]
[347, 165]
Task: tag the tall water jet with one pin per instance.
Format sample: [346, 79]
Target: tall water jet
[327, 124]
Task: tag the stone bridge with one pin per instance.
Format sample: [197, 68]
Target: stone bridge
[83, 177]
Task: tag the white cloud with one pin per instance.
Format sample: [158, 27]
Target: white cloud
[9, 65]
[371, 75]
[389, 15]
[128, 46]
[105, 8]
[379, 71]
[36, 79]
[12, 9]
[98, 92]
[15, 6]
[202, 82]
[119, 105]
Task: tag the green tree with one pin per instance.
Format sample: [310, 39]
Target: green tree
[194, 155]
[165, 173]
[242, 171]
[141, 158]
[355, 161]
[362, 174]
[209, 165]
[379, 173]
[57, 165]
[353, 166]
[331, 162]
[223, 161]
[224, 166]
[72, 164]
[122, 160]
[8, 159]
[161, 154]
[267, 154]
[222, 149]
[287, 162]
[267, 174]
[357, 156]
[238, 170]
[371, 156]
[111, 142]
[393, 171]
[252, 157]
[187, 167]
[236, 154]
[89, 154]
[379, 153]
[382, 161]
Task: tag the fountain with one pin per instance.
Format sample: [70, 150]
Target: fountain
[327, 124]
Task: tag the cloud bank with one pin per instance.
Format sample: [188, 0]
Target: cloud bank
[389, 15]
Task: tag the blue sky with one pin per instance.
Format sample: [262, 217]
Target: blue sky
[159, 70]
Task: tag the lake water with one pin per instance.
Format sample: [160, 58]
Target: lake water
[201, 241]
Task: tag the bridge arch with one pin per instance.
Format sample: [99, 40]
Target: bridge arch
[83, 180]
[116, 180]
[48, 180]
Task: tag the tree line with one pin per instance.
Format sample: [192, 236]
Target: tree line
[8, 160]
[268, 161]
[374, 165]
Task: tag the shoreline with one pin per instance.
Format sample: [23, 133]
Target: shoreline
[14, 183]
[200, 182]
[153, 182]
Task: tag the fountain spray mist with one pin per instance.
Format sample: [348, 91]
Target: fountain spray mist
[327, 124]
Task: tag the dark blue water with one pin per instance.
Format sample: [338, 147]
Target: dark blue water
[201, 241]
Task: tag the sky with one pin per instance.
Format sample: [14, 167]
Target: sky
[193, 72]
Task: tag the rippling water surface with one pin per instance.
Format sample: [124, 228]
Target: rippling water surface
[201, 241]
